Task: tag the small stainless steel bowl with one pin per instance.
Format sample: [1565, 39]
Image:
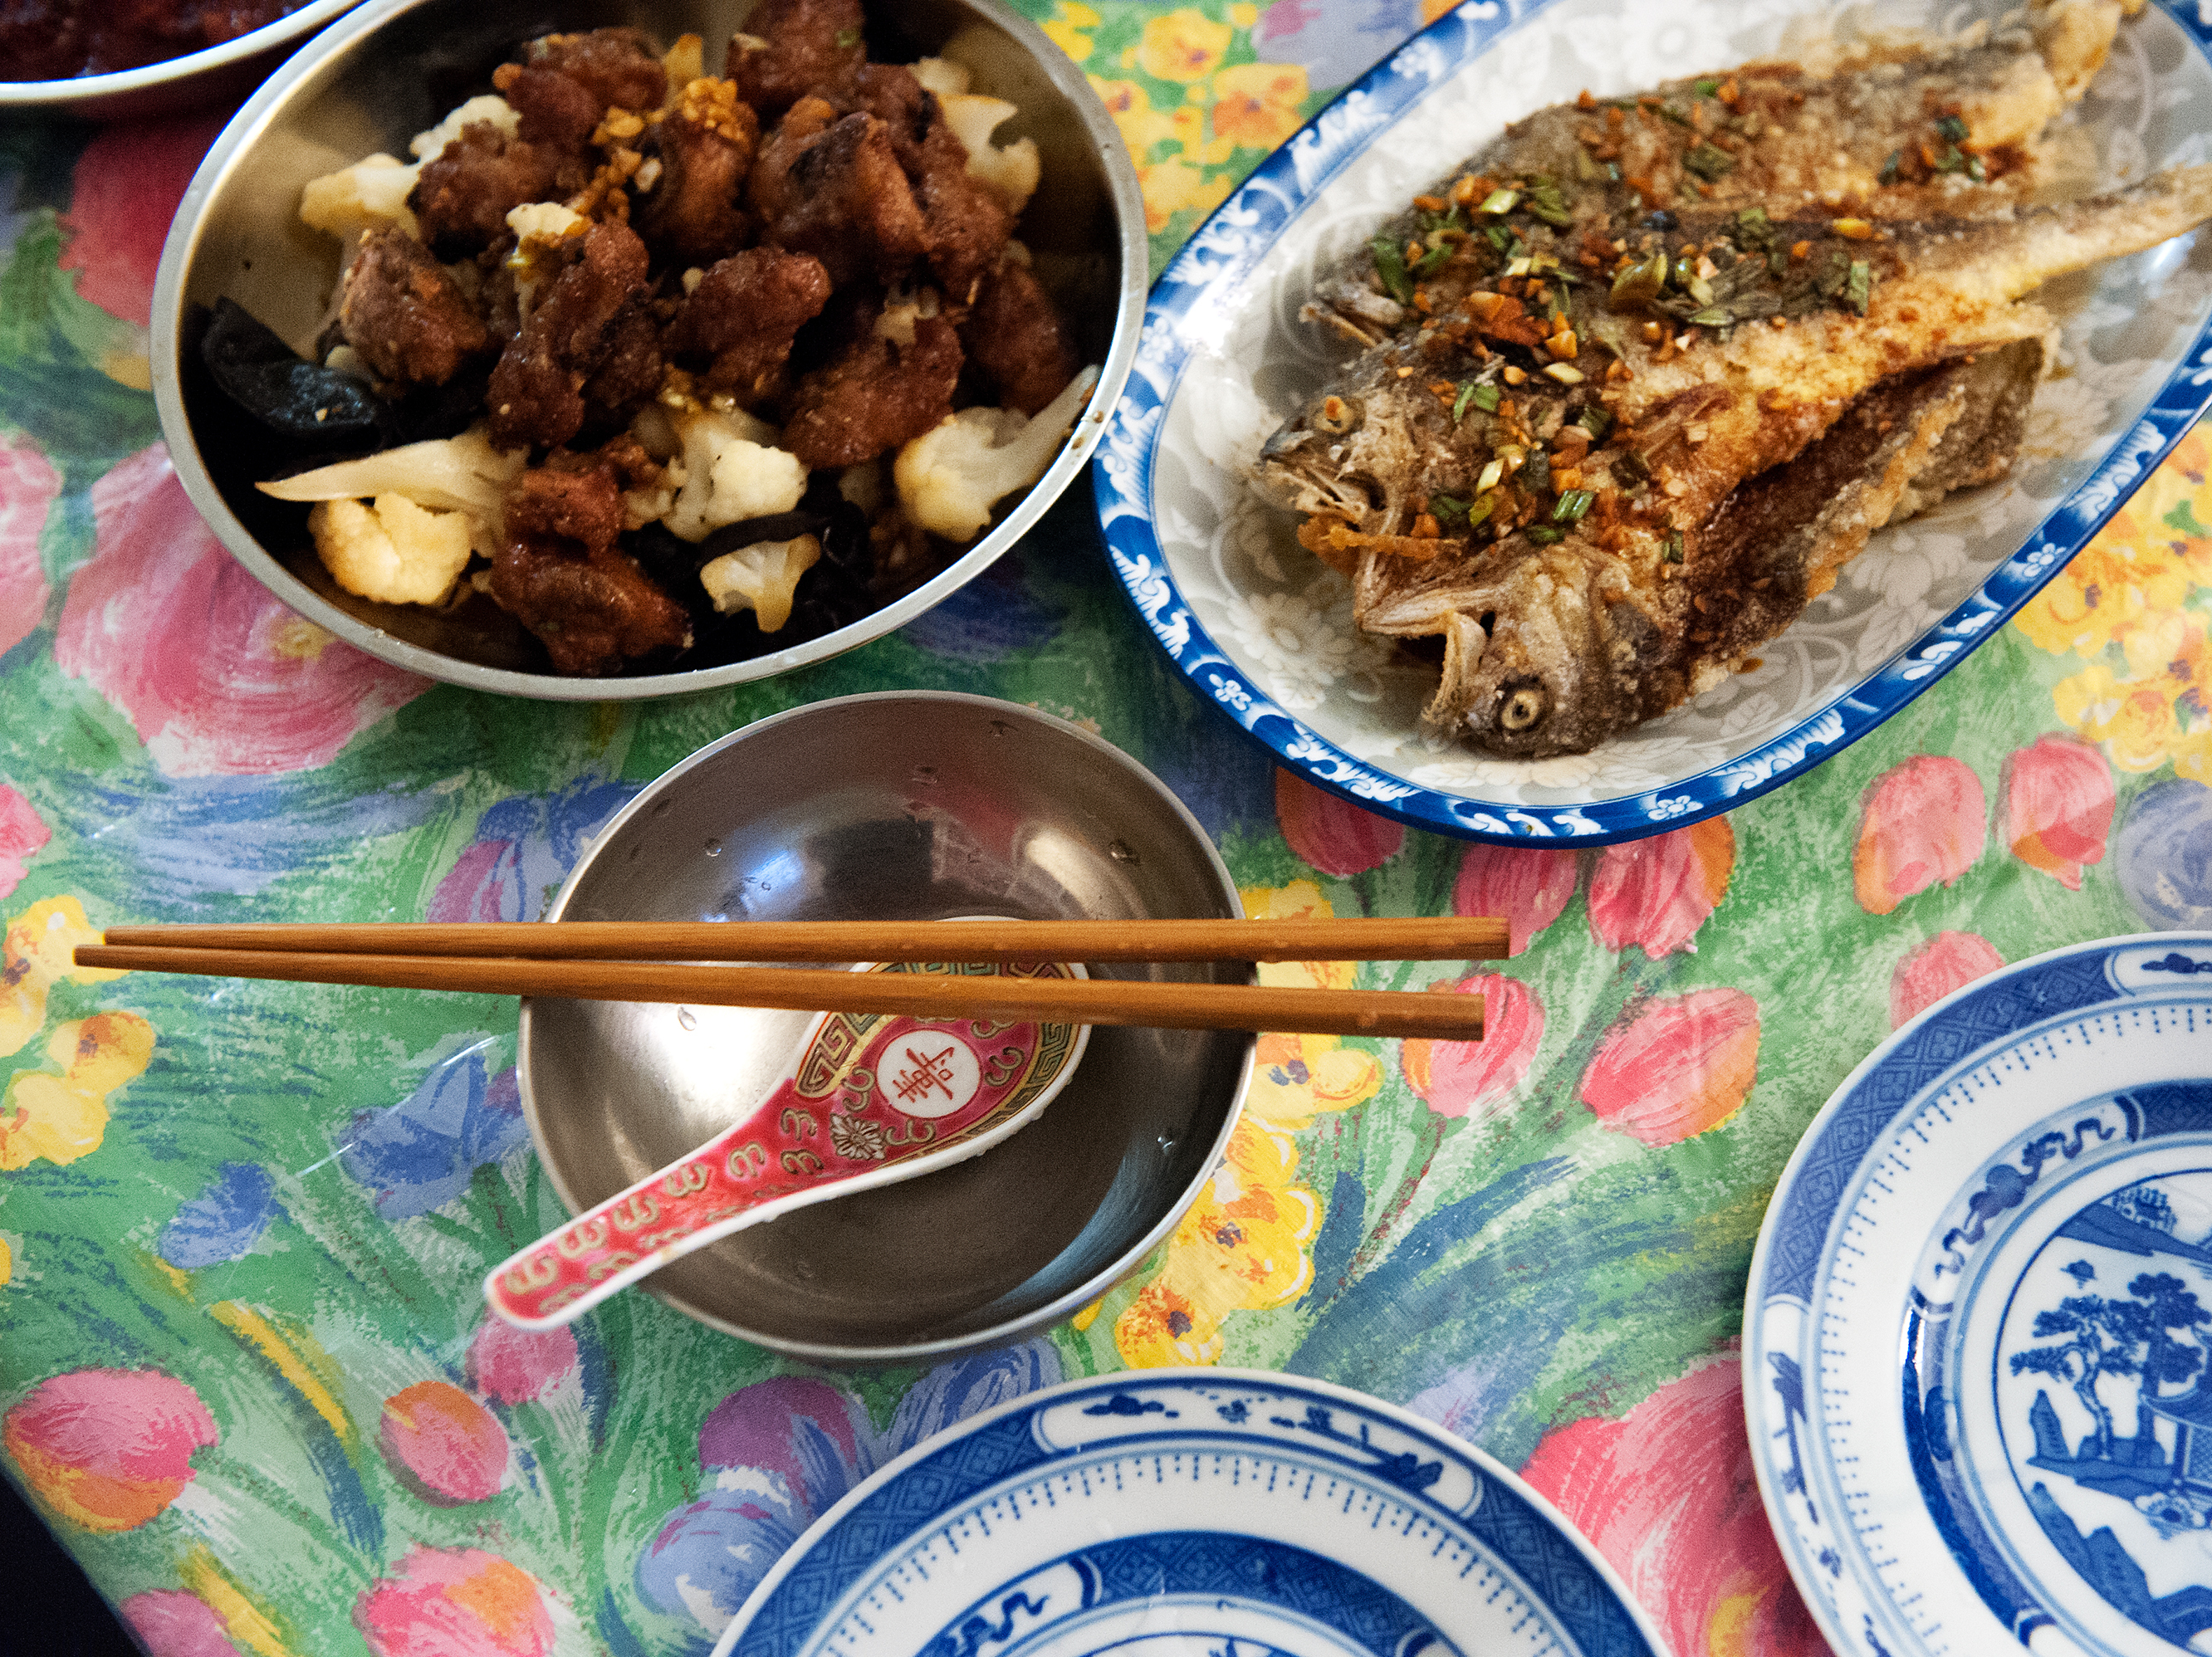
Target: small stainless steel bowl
[396, 67]
[198, 80]
[901, 805]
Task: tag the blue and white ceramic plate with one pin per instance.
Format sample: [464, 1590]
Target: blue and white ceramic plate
[1977, 1347]
[1263, 630]
[1191, 1512]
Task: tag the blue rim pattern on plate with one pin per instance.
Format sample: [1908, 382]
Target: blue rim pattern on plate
[2020, 1199]
[1452, 1504]
[1231, 243]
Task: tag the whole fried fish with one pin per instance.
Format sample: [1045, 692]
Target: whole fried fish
[1956, 131]
[1568, 472]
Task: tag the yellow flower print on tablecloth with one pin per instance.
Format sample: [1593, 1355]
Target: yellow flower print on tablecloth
[1245, 1243]
[64, 1117]
[36, 956]
[1065, 30]
[2132, 603]
[1171, 185]
[1256, 105]
[1184, 46]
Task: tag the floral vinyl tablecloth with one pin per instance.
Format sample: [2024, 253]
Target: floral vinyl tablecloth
[245, 1373]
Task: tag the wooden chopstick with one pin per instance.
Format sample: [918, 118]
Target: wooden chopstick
[1078, 1001]
[1454, 937]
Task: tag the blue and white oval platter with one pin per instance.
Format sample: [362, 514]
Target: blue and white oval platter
[1195, 1513]
[1263, 631]
[1978, 1346]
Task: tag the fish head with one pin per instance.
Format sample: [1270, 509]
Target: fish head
[1551, 654]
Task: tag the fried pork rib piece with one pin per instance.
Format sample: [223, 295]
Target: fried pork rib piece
[706, 146]
[559, 572]
[1016, 336]
[964, 224]
[874, 395]
[739, 322]
[616, 67]
[832, 186]
[465, 193]
[589, 340]
[1572, 537]
[791, 48]
[409, 320]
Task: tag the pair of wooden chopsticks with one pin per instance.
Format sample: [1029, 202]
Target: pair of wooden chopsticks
[674, 961]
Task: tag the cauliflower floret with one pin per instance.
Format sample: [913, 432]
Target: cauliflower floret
[462, 474]
[731, 470]
[941, 76]
[761, 578]
[367, 196]
[392, 550]
[427, 146]
[951, 476]
[1011, 173]
[539, 228]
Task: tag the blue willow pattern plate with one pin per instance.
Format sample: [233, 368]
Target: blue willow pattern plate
[1263, 631]
[1191, 1514]
[1978, 1341]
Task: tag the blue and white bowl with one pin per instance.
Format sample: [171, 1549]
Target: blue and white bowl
[1263, 630]
[1978, 1346]
[1192, 1514]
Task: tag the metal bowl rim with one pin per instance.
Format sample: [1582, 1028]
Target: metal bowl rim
[61, 96]
[248, 125]
[1030, 1322]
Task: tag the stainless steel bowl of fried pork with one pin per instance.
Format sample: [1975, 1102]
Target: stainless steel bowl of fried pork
[586, 350]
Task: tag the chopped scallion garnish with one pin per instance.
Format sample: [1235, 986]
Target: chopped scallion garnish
[1953, 129]
[1672, 554]
[1858, 291]
[1390, 265]
[1544, 535]
[1499, 202]
[1709, 162]
[1572, 505]
[1708, 88]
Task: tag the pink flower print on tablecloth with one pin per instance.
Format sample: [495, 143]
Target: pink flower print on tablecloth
[513, 1366]
[29, 485]
[1924, 821]
[125, 191]
[1462, 1078]
[1655, 893]
[2058, 807]
[217, 677]
[1331, 835]
[24, 833]
[170, 1622]
[445, 1446]
[1667, 1496]
[524, 848]
[455, 1602]
[1528, 888]
[1938, 967]
[107, 1449]
[1675, 1067]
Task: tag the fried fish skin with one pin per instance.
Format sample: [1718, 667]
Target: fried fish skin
[1908, 133]
[1565, 535]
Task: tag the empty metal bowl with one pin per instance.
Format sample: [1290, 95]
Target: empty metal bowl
[905, 805]
[396, 67]
[198, 80]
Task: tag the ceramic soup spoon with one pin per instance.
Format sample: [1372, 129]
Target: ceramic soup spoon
[867, 1099]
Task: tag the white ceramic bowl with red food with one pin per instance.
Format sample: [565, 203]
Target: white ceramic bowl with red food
[218, 74]
[395, 68]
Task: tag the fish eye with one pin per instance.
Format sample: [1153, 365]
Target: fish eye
[1524, 706]
[1336, 415]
